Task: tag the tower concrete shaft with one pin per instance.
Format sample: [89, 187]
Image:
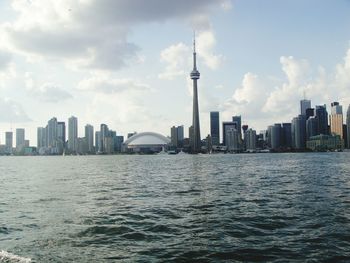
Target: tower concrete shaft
[196, 140]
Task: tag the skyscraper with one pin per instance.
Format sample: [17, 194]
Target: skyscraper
[73, 134]
[196, 140]
[238, 122]
[215, 127]
[226, 126]
[173, 135]
[52, 133]
[104, 133]
[41, 137]
[299, 132]
[177, 136]
[232, 140]
[180, 136]
[97, 141]
[89, 137]
[276, 136]
[61, 136]
[20, 139]
[251, 140]
[348, 126]
[336, 119]
[322, 119]
[9, 142]
[286, 135]
[311, 127]
[304, 105]
[309, 113]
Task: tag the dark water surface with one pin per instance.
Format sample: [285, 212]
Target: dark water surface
[205, 208]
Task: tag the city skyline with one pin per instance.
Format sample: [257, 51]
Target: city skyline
[312, 129]
[252, 63]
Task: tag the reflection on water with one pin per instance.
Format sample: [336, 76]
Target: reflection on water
[261, 207]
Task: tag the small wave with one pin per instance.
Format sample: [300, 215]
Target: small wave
[7, 257]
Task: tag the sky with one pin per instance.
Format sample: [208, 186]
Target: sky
[127, 63]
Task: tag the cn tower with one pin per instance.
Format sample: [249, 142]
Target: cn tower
[196, 139]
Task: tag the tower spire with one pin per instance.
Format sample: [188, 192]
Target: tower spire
[194, 41]
[194, 51]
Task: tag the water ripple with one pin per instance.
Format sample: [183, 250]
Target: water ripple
[219, 208]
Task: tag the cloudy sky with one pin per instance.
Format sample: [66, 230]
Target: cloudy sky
[126, 63]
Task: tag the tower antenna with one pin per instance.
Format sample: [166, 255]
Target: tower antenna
[194, 41]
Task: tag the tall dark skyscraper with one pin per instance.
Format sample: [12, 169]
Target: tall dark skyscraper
[299, 132]
[214, 127]
[322, 119]
[238, 122]
[196, 140]
[61, 136]
[287, 135]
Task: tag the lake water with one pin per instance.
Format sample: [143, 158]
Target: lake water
[184, 208]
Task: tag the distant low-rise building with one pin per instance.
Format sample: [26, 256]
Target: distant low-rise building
[325, 143]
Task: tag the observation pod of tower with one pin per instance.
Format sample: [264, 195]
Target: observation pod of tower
[146, 143]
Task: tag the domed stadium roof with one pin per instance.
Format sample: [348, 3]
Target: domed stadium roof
[146, 139]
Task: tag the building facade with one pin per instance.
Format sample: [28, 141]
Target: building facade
[215, 127]
[325, 143]
[61, 136]
[9, 142]
[322, 119]
[299, 132]
[89, 138]
[20, 139]
[304, 105]
[73, 134]
[336, 119]
[250, 138]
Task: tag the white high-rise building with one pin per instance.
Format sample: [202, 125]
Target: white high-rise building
[251, 140]
[73, 134]
[52, 133]
[233, 143]
[20, 139]
[41, 137]
[9, 142]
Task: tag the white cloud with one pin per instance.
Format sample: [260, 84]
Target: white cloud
[5, 59]
[176, 56]
[342, 78]
[264, 101]
[50, 92]
[248, 99]
[206, 42]
[102, 83]
[179, 56]
[12, 112]
[47, 92]
[89, 33]
[283, 99]
[227, 5]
